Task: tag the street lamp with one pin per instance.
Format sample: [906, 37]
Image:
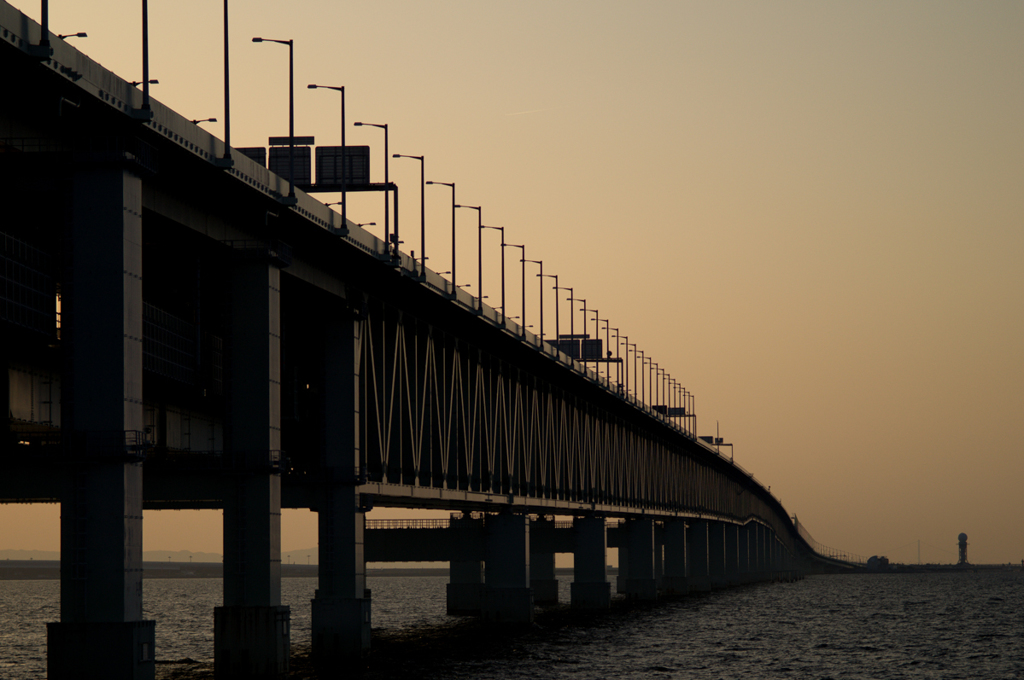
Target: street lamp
[572, 326]
[541, 289]
[625, 364]
[555, 277]
[452, 185]
[387, 183]
[522, 321]
[65, 36]
[642, 373]
[584, 301]
[344, 173]
[291, 114]
[479, 255]
[502, 230]
[423, 211]
[203, 120]
[153, 81]
[367, 224]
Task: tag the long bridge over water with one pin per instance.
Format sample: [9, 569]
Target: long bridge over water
[180, 331]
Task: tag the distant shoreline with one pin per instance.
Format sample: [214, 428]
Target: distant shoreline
[42, 570]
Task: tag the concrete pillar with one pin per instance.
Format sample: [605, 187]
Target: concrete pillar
[762, 558]
[341, 606]
[623, 571]
[542, 569]
[659, 555]
[640, 584]
[590, 588]
[716, 554]
[507, 597]
[252, 629]
[697, 570]
[675, 581]
[743, 553]
[101, 633]
[466, 578]
[732, 535]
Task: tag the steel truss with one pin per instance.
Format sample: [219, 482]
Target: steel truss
[438, 411]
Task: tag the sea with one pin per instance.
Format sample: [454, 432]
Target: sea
[905, 625]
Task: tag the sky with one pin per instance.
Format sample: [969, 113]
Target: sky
[811, 214]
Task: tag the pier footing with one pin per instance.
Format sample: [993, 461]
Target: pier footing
[251, 642]
[104, 651]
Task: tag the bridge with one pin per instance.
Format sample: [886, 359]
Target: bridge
[180, 331]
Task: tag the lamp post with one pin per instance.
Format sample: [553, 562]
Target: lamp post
[642, 373]
[502, 230]
[652, 389]
[387, 183]
[572, 327]
[452, 185]
[479, 255]
[522, 320]
[203, 120]
[629, 344]
[541, 289]
[226, 160]
[618, 362]
[344, 169]
[423, 211]
[557, 329]
[291, 114]
[81, 34]
[584, 301]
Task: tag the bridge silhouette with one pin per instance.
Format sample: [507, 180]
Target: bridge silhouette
[180, 332]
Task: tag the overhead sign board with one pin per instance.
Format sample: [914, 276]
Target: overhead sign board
[280, 163]
[329, 160]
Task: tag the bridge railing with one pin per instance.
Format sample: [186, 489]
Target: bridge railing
[826, 551]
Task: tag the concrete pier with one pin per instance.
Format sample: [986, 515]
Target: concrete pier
[542, 568]
[590, 588]
[101, 633]
[743, 553]
[251, 631]
[716, 555]
[466, 577]
[732, 572]
[507, 597]
[341, 608]
[640, 583]
[674, 581]
[698, 573]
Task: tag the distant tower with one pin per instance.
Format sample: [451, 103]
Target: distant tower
[962, 544]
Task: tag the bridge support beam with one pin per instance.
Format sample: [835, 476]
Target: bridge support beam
[675, 581]
[542, 568]
[341, 607]
[716, 554]
[507, 597]
[101, 633]
[466, 577]
[590, 588]
[698, 573]
[252, 630]
[640, 582]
